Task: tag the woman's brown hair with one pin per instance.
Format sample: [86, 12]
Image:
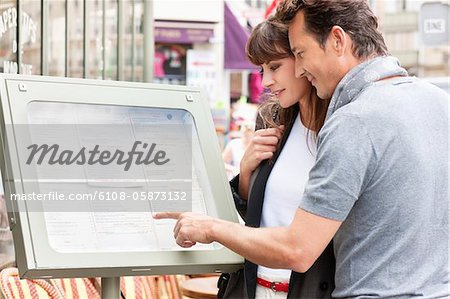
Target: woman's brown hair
[269, 41]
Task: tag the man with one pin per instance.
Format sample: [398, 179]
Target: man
[380, 182]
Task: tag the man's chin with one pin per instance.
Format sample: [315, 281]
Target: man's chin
[323, 94]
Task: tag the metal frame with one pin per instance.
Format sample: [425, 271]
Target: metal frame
[19, 36]
[149, 45]
[120, 38]
[103, 39]
[36, 258]
[86, 39]
[44, 36]
[66, 46]
[133, 43]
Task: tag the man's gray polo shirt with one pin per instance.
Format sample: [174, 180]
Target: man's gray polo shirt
[382, 168]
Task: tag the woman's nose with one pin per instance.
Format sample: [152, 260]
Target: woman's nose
[267, 80]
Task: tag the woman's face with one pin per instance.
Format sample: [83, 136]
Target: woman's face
[279, 77]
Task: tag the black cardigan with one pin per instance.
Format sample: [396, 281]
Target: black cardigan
[318, 281]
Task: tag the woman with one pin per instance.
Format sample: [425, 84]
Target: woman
[275, 167]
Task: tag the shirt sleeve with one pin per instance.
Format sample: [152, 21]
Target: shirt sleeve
[240, 204]
[344, 165]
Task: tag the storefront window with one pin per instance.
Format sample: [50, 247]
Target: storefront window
[139, 40]
[95, 54]
[8, 34]
[30, 37]
[128, 41]
[56, 37]
[111, 40]
[75, 35]
[170, 63]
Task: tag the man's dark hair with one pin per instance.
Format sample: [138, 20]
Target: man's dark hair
[353, 16]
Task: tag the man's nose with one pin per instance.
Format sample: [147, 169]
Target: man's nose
[299, 71]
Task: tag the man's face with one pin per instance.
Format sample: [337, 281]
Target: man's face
[319, 65]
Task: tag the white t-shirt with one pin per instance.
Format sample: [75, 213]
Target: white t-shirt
[285, 186]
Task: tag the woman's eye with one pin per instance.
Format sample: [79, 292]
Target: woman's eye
[274, 67]
[300, 54]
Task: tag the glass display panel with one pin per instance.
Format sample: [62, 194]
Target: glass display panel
[125, 209]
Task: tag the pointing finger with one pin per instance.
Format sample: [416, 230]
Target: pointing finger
[167, 215]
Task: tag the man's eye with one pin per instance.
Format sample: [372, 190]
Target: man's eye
[300, 54]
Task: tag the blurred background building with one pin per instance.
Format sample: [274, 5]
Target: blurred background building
[408, 25]
[188, 42]
[191, 42]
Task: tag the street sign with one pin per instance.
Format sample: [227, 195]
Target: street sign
[434, 24]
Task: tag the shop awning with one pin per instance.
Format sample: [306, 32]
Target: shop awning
[235, 39]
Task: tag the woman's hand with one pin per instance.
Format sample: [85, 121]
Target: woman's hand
[261, 147]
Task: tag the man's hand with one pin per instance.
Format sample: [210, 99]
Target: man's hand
[190, 227]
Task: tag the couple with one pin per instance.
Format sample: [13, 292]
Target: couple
[378, 187]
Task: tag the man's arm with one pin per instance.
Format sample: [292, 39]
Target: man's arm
[345, 164]
[295, 247]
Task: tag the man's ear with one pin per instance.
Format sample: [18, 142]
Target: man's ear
[338, 40]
